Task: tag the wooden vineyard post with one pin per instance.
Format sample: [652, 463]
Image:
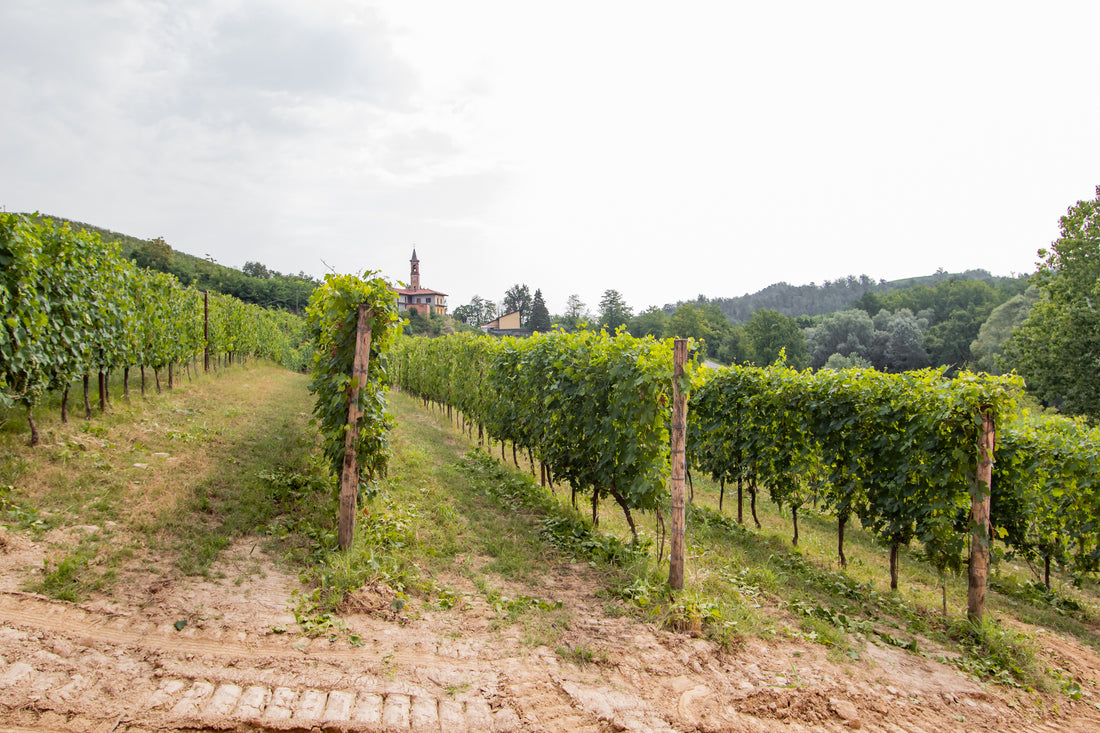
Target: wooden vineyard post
[978, 575]
[679, 467]
[205, 331]
[349, 477]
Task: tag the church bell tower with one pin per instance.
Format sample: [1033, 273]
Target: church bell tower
[414, 272]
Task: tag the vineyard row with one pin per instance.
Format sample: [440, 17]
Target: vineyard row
[899, 452]
[73, 307]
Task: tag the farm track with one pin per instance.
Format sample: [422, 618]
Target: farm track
[80, 669]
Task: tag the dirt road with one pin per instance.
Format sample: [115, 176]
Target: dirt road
[226, 655]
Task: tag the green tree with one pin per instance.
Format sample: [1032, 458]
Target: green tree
[987, 349]
[1056, 348]
[770, 332]
[518, 298]
[476, 312]
[614, 311]
[687, 323]
[734, 347]
[948, 342]
[839, 362]
[848, 333]
[540, 316]
[576, 313]
[155, 254]
[899, 342]
[719, 326]
[257, 269]
[651, 322]
[701, 321]
[463, 314]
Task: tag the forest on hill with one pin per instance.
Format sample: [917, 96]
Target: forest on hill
[830, 296]
[254, 283]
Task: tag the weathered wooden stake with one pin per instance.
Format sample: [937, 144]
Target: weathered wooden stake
[205, 331]
[895, 548]
[679, 467]
[349, 478]
[34, 428]
[978, 575]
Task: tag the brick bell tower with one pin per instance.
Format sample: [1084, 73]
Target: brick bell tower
[414, 272]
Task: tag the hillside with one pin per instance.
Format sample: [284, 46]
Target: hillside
[829, 297]
[255, 283]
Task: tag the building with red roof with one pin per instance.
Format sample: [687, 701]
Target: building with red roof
[415, 298]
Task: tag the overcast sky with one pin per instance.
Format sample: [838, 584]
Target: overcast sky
[664, 149]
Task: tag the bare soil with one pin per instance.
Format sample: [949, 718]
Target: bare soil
[226, 654]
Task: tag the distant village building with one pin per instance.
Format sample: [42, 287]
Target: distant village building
[506, 325]
[418, 299]
[507, 322]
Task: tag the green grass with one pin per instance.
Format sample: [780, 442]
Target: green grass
[169, 477]
[80, 572]
[430, 519]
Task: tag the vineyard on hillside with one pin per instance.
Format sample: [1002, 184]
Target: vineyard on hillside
[73, 308]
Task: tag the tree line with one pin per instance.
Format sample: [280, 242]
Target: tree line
[907, 329]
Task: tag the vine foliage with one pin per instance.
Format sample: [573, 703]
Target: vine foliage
[73, 306]
[332, 319]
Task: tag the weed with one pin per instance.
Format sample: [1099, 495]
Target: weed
[581, 655]
[12, 467]
[689, 612]
[446, 599]
[1069, 686]
[312, 618]
[512, 608]
[576, 538]
[994, 652]
[20, 514]
[456, 688]
[1036, 593]
[76, 575]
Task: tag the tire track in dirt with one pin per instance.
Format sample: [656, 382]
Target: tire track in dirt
[43, 614]
[84, 670]
[150, 675]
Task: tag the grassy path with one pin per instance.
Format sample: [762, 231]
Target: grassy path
[159, 483]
